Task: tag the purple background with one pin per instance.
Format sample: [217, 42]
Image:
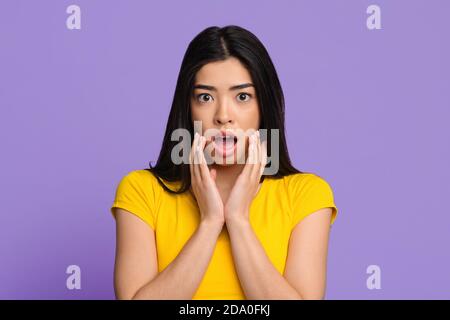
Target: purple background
[366, 109]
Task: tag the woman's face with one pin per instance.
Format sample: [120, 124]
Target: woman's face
[224, 98]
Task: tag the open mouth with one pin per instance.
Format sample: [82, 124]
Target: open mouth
[225, 145]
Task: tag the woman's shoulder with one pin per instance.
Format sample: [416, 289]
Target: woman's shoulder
[146, 179]
[141, 177]
[304, 179]
[309, 192]
[307, 185]
[142, 181]
[137, 192]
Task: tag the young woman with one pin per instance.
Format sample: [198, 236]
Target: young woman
[223, 230]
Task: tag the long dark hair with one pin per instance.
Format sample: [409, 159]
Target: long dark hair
[215, 44]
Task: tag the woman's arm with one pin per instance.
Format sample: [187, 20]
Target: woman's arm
[136, 271]
[305, 268]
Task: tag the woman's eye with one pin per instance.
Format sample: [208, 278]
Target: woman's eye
[242, 97]
[199, 97]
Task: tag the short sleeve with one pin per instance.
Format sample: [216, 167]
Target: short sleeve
[311, 193]
[135, 194]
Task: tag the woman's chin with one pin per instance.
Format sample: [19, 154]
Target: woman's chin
[225, 161]
[228, 161]
[225, 164]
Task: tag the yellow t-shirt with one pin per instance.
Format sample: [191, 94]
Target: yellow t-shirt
[278, 206]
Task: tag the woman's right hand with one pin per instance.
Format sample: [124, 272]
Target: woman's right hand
[203, 184]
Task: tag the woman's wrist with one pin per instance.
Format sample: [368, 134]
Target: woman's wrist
[237, 220]
[212, 223]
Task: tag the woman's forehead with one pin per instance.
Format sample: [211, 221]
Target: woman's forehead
[223, 74]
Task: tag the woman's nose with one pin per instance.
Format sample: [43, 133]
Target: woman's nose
[223, 114]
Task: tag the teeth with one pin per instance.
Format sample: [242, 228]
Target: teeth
[231, 138]
[225, 140]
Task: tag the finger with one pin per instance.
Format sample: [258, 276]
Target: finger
[258, 155]
[203, 168]
[213, 174]
[197, 172]
[191, 157]
[261, 155]
[255, 166]
[248, 164]
[190, 166]
[264, 156]
[197, 176]
[191, 154]
[258, 151]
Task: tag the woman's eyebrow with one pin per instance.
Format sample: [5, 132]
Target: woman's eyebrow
[211, 88]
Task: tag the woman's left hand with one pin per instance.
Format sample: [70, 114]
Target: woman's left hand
[247, 184]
